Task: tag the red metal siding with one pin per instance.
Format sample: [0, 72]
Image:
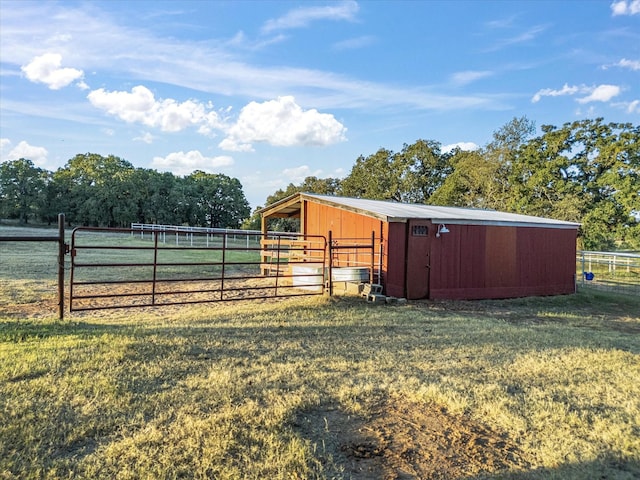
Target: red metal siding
[501, 262]
[395, 264]
[500, 257]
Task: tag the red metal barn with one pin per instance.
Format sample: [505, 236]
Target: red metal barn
[447, 252]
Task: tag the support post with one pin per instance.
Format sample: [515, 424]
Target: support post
[62, 250]
[330, 263]
[373, 255]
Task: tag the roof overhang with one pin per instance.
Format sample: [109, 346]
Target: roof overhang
[288, 207]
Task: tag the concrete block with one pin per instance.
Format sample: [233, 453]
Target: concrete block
[371, 289]
[375, 298]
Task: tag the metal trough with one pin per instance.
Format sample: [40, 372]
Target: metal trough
[350, 274]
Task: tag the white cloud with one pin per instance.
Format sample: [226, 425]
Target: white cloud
[549, 92]
[634, 107]
[524, 37]
[469, 76]
[625, 7]
[466, 146]
[601, 93]
[298, 174]
[181, 163]
[38, 155]
[301, 17]
[283, 123]
[145, 137]
[140, 106]
[589, 112]
[354, 43]
[630, 64]
[48, 69]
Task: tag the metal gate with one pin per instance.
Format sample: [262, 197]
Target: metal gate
[62, 250]
[119, 268]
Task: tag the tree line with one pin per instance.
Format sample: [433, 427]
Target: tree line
[586, 171]
[93, 190]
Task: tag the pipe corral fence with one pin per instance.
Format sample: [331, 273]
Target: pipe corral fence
[613, 271]
[152, 265]
[155, 265]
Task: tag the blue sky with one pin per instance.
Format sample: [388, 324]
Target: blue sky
[271, 92]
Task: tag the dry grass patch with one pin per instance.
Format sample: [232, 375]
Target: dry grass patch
[524, 389]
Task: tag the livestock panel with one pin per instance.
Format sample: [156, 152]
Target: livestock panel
[111, 268]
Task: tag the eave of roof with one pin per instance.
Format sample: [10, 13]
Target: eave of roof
[391, 212]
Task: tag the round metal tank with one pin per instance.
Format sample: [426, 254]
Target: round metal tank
[307, 277]
[350, 274]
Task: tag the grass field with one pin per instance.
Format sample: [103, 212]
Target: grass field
[284, 389]
[317, 387]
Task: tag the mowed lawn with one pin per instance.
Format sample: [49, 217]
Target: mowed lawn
[223, 390]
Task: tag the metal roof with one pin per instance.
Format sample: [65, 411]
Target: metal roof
[389, 211]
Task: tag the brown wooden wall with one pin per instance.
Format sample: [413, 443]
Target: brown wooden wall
[319, 219]
[501, 262]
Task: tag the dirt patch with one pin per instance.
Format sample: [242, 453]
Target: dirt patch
[401, 440]
[39, 309]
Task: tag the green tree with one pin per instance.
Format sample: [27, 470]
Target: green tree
[424, 169]
[215, 200]
[377, 177]
[98, 190]
[472, 183]
[22, 187]
[411, 175]
[543, 178]
[481, 178]
[585, 171]
[158, 197]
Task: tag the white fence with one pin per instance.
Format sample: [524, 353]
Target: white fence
[181, 234]
[617, 271]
